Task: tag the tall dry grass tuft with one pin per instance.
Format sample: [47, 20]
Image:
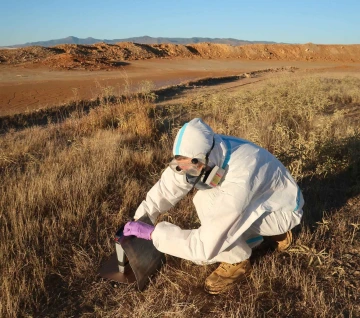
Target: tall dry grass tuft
[66, 187]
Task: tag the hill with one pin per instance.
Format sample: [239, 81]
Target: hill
[141, 39]
[108, 56]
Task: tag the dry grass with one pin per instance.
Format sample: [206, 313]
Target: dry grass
[66, 187]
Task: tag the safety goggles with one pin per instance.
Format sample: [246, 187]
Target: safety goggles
[192, 168]
[181, 167]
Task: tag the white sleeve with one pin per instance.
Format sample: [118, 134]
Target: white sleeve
[169, 190]
[211, 241]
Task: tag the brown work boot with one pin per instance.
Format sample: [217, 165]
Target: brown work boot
[226, 275]
[283, 241]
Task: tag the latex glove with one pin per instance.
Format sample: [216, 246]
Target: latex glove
[139, 229]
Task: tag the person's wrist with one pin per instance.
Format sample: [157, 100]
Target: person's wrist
[151, 232]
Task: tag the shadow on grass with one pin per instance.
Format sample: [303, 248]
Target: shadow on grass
[326, 194]
[44, 116]
[176, 90]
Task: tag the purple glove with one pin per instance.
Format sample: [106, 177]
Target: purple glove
[139, 229]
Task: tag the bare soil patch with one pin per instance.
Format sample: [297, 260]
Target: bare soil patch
[25, 88]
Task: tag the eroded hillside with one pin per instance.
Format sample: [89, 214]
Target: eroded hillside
[110, 56]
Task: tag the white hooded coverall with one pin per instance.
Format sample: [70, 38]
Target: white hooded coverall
[257, 196]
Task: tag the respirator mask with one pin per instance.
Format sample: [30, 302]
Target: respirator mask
[197, 172]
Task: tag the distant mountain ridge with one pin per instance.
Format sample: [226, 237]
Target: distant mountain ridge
[141, 39]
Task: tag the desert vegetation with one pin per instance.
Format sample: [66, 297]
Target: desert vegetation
[67, 186]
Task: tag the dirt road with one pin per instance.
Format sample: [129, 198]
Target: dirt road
[25, 89]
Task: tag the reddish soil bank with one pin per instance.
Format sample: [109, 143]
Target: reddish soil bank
[38, 77]
[110, 56]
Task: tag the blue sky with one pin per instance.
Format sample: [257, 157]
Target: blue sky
[291, 21]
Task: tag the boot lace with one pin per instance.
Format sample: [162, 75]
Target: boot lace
[226, 266]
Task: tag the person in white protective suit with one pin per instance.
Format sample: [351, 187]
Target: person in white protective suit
[245, 193]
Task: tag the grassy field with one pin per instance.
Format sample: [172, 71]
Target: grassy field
[67, 186]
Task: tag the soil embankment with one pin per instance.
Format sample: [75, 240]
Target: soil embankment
[37, 77]
[111, 56]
